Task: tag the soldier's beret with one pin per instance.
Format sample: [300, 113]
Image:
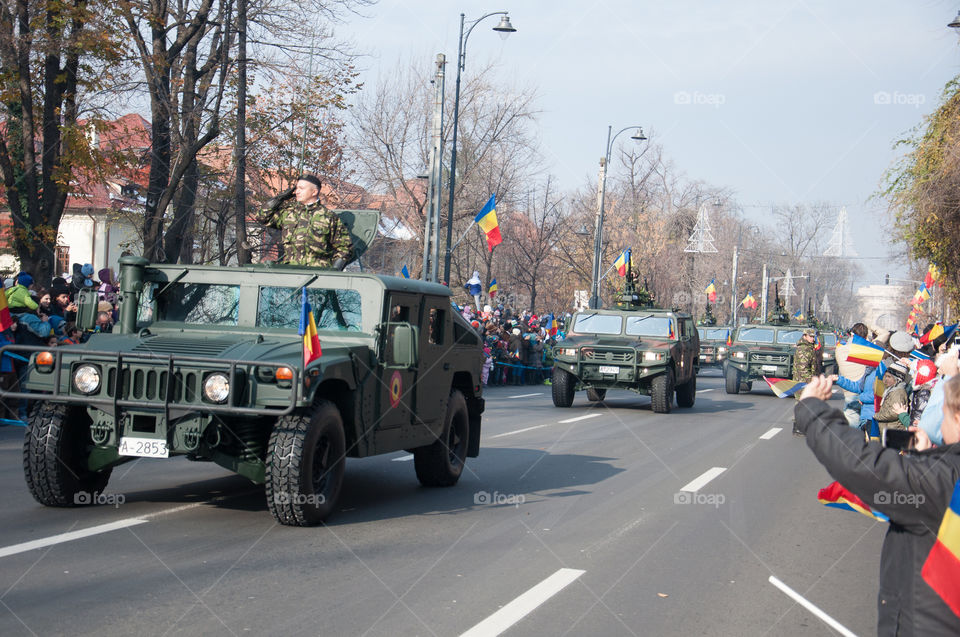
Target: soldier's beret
[313, 179]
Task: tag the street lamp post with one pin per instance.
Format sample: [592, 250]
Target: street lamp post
[601, 194]
[505, 29]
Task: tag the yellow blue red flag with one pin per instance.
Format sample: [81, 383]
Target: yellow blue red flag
[308, 330]
[942, 568]
[837, 496]
[783, 387]
[621, 263]
[711, 291]
[492, 290]
[487, 220]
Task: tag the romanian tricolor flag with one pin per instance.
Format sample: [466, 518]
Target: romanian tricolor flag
[308, 330]
[835, 495]
[784, 387]
[749, 302]
[492, 290]
[553, 327]
[799, 315]
[404, 272]
[864, 352]
[670, 332]
[711, 291]
[729, 338]
[621, 263]
[935, 332]
[921, 295]
[933, 276]
[942, 568]
[487, 220]
[6, 321]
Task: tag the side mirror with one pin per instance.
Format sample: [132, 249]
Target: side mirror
[87, 301]
[405, 346]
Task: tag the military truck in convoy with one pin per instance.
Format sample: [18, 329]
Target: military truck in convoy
[713, 344]
[633, 346]
[758, 350]
[208, 363]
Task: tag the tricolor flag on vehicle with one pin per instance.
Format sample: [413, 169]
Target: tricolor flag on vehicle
[749, 302]
[492, 290]
[837, 496]
[404, 272]
[799, 315]
[621, 263]
[864, 352]
[711, 291]
[942, 568]
[487, 220]
[784, 387]
[308, 330]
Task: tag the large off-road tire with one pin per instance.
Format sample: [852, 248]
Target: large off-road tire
[441, 463]
[687, 393]
[596, 395]
[55, 451]
[305, 464]
[731, 378]
[563, 385]
[661, 392]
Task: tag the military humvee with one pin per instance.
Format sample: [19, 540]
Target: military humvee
[647, 350]
[758, 350]
[828, 353]
[208, 363]
[713, 344]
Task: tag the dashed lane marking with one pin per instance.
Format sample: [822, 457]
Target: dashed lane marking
[405, 458]
[526, 395]
[703, 391]
[69, 537]
[522, 606]
[771, 433]
[827, 619]
[578, 418]
[518, 431]
[698, 483]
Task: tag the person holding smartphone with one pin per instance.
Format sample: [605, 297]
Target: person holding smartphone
[882, 477]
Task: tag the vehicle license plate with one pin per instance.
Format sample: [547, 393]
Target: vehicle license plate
[769, 368]
[143, 447]
[609, 369]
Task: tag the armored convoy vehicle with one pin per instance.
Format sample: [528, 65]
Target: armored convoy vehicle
[828, 352]
[758, 350]
[218, 364]
[647, 350]
[713, 344]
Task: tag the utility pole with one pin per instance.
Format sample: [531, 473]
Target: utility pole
[733, 288]
[431, 233]
[763, 297]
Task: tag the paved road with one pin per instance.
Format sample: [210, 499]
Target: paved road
[576, 527]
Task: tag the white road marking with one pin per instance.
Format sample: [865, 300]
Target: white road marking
[703, 391]
[563, 422]
[518, 431]
[69, 537]
[403, 458]
[827, 619]
[699, 483]
[771, 433]
[526, 395]
[522, 606]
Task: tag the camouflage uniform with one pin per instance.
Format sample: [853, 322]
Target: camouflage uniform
[804, 362]
[311, 234]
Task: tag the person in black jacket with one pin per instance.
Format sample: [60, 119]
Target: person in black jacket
[912, 488]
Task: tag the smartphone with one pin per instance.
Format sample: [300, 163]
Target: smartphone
[897, 438]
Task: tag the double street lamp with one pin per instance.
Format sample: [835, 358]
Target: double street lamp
[598, 231]
[505, 29]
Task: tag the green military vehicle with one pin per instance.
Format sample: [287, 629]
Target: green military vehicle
[759, 350]
[209, 363]
[650, 351]
[713, 344]
[828, 352]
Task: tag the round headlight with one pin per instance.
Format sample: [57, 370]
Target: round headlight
[216, 388]
[86, 379]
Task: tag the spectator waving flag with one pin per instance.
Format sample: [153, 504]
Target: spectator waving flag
[492, 290]
[711, 291]
[621, 263]
[6, 321]
[837, 496]
[308, 330]
[783, 387]
[553, 325]
[942, 568]
[487, 220]
[864, 352]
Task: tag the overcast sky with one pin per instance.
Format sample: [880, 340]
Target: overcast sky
[782, 102]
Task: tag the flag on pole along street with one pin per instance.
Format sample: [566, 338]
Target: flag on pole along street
[749, 302]
[553, 325]
[837, 496]
[864, 352]
[308, 330]
[934, 332]
[942, 568]
[711, 291]
[492, 290]
[784, 387]
[405, 272]
[621, 263]
[487, 220]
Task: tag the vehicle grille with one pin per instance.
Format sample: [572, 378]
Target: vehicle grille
[191, 347]
[607, 356]
[151, 384]
[782, 359]
[707, 349]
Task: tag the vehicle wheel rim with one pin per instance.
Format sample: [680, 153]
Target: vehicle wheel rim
[321, 464]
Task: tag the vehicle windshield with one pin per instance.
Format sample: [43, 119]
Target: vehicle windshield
[755, 335]
[662, 326]
[333, 309]
[789, 337]
[713, 334]
[829, 339]
[597, 324]
[192, 303]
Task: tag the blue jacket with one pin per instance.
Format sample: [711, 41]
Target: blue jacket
[864, 390]
[931, 419]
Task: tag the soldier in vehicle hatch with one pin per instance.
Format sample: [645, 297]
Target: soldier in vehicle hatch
[312, 235]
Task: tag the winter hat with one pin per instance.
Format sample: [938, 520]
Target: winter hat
[926, 371]
[25, 279]
[104, 306]
[87, 270]
[897, 369]
[901, 342]
[106, 276]
[516, 331]
[8, 283]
